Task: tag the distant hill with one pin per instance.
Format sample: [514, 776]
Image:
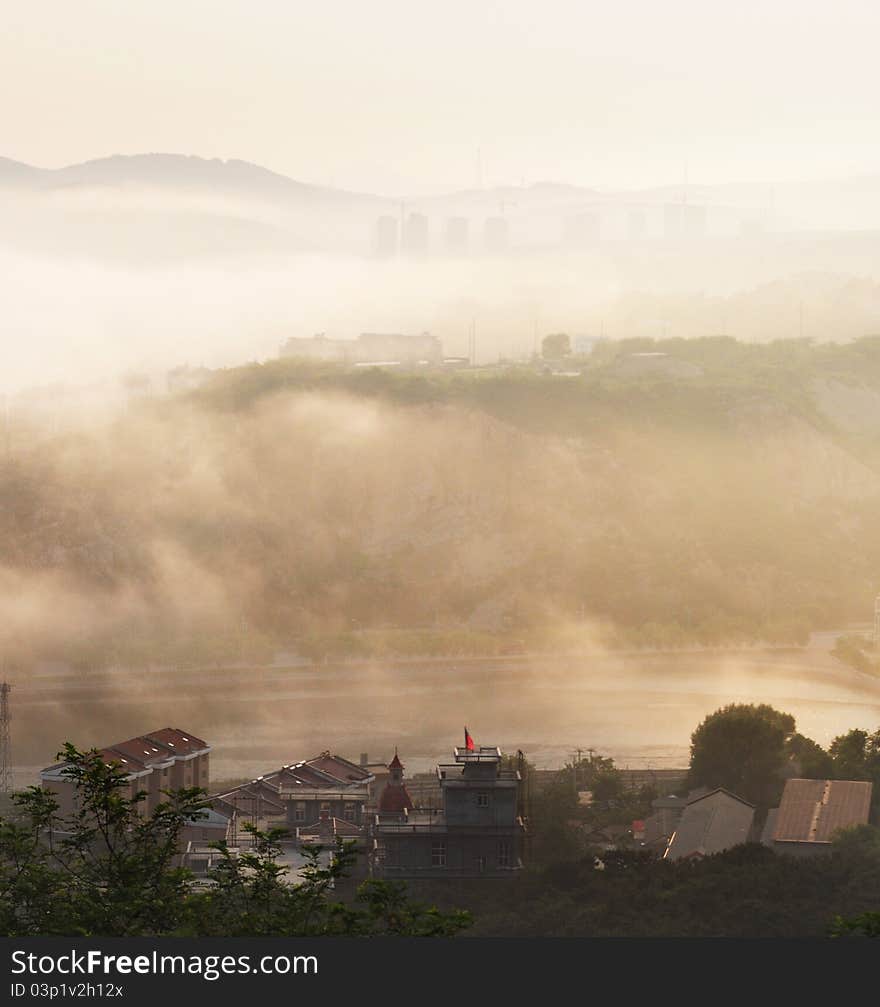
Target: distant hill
[175, 171]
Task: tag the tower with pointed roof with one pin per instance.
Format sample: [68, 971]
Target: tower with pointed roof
[395, 799]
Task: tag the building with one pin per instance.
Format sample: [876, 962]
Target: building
[415, 235]
[812, 811]
[168, 759]
[681, 220]
[636, 224]
[368, 348]
[666, 811]
[299, 796]
[496, 235]
[710, 824]
[395, 799]
[581, 229]
[457, 235]
[385, 237]
[477, 832]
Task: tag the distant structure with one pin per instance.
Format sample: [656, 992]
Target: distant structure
[812, 811]
[496, 235]
[168, 759]
[581, 230]
[681, 220]
[415, 236]
[478, 831]
[636, 224]
[385, 237]
[457, 236]
[710, 824]
[368, 348]
[6, 783]
[324, 795]
[395, 798]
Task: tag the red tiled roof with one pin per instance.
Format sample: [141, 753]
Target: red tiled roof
[179, 742]
[395, 763]
[138, 754]
[395, 798]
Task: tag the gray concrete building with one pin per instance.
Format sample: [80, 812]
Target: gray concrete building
[477, 832]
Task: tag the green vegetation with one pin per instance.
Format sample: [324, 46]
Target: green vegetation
[575, 886]
[743, 749]
[751, 750]
[109, 870]
[748, 891]
[556, 345]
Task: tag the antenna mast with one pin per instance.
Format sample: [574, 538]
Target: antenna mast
[5, 748]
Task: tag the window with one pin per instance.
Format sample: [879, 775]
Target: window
[299, 814]
[483, 799]
[438, 854]
[504, 853]
[348, 812]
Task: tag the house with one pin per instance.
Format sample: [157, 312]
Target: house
[167, 759]
[710, 824]
[299, 795]
[812, 811]
[665, 816]
[477, 831]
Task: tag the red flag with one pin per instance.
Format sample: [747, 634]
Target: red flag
[468, 740]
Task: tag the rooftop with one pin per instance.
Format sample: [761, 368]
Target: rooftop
[140, 755]
[811, 811]
[710, 824]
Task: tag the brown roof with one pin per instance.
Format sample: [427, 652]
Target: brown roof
[339, 768]
[395, 798]
[136, 750]
[811, 811]
[179, 742]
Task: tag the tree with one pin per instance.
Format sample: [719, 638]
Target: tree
[106, 869]
[556, 345]
[856, 755]
[111, 870]
[742, 747]
[807, 759]
[250, 897]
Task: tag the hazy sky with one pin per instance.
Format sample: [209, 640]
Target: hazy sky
[398, 96]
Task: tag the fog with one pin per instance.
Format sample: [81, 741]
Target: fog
[597, 549]
[104, 281]
[262, 559]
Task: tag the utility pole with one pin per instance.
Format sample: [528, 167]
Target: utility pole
[5, 747]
